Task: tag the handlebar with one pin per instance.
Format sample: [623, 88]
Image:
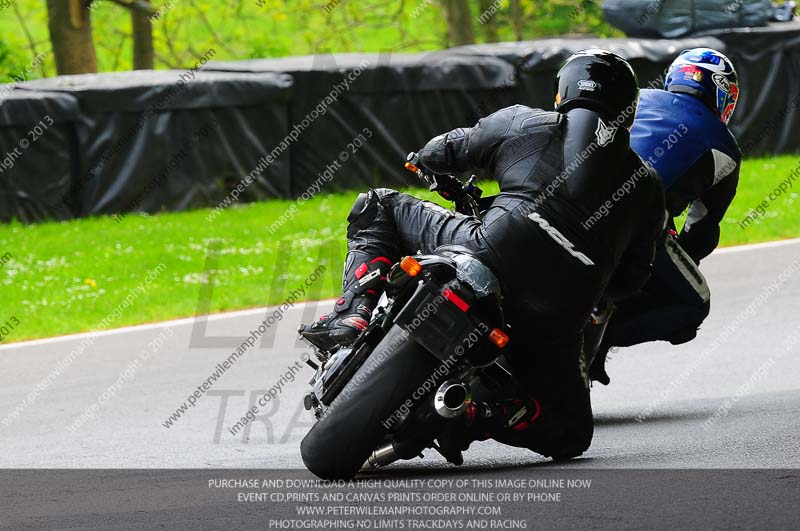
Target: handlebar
[464, 195]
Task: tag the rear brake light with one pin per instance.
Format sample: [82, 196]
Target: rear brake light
[455, 299]
[498, 337]
[410, 266]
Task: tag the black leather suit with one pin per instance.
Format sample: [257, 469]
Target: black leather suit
[555, 171]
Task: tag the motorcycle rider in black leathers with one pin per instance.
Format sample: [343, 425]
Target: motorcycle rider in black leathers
[554, 169]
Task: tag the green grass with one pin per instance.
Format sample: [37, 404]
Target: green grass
[67, 277]
[758, 179]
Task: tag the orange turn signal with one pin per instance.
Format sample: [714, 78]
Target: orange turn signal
[410, 167]
[410, 266]
[498, 337]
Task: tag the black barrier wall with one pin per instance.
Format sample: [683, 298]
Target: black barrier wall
[767, 60]
[172, 140]
[537, 62]
[358, 115]
[39, 166]
[678, 18]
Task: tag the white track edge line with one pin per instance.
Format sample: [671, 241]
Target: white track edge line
[160, 324]
[265, 309]
[756, 246]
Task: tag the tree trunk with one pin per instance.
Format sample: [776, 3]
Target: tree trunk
[459, 22]
[70, 27]
[517, 18]
[143, 52]
[489, 24]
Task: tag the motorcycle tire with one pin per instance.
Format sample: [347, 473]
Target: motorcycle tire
[353, 426]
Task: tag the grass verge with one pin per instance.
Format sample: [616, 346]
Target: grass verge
[60, 278]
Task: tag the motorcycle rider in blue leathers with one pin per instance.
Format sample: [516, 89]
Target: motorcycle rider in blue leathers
[682, 132]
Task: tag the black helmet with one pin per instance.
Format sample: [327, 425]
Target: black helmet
[601, 81]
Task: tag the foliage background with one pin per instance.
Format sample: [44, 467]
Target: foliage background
[242, 29]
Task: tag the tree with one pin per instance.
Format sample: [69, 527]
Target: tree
[70, 25]
[143, 51]
[142, 29]
[517, 18]
[490, 24]
[459, 22]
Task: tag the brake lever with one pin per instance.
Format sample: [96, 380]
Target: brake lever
[412, 165]
[465, 196]
[445, 185]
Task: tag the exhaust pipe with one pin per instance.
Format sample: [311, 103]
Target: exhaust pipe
[451, 399]
[383, 456]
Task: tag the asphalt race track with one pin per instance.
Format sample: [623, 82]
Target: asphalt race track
[728, 400]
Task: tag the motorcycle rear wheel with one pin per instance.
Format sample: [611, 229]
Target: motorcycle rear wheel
[354, 425]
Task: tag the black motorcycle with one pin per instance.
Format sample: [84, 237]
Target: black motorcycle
[431, 351]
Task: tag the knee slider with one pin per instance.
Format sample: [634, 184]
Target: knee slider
[362, 202]
[364, 211]
[697, 313]
[705, 309]
[571, 445]
[684, 335]
[570, 451]
[689, 332]
[366, 208]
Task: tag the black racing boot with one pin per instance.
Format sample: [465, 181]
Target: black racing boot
[363, 281]
[595, 341]
[597, 370]
[482, 421]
